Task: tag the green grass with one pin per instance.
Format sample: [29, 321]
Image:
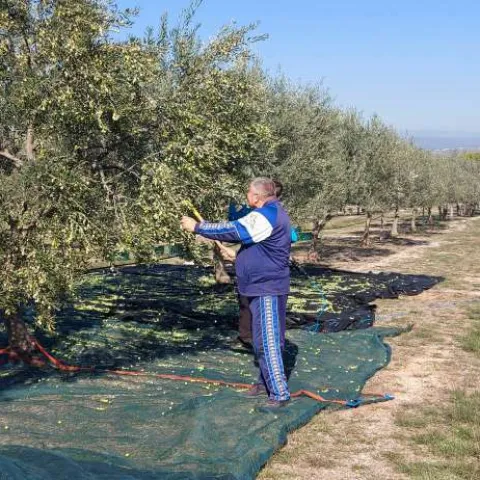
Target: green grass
[439, 471]
[427, 333]
[345, 222]
[449, 434]
[471, 341]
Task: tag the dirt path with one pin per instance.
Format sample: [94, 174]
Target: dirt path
[427, 363]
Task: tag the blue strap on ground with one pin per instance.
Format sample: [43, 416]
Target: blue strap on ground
[317, 287]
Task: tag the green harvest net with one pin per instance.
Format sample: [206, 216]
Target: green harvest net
[169, 320]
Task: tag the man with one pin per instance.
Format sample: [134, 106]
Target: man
[263, 277]
[245, 317]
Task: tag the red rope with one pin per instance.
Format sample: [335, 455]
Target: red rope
[62, 366]
[58, 363]
[4, 351]
[69, 368]
[317, 397]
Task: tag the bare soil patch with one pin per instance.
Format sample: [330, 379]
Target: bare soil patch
[427, 363]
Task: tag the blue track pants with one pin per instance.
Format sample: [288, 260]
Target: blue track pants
[268, 329]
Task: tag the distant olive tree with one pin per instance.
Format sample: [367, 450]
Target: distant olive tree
[375, 181]
[309, 158]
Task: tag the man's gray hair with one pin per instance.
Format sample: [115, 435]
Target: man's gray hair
[265, 187]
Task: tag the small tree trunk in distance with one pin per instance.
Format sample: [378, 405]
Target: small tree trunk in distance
[430, 216]
[459, 210]
[413, 224]
[382, 222]
[450, 211]
[358, 209]
[313, 251]
[440, 210]
[366, 234]
[444, 213]
[394, 231]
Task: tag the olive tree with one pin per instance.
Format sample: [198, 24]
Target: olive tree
[375, 172]
[102, 141]
[210, 134]
[71, 116]
[308, 155]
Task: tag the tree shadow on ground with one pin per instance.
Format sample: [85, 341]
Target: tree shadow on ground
[348, 248]
[290, 357]
[382, 237]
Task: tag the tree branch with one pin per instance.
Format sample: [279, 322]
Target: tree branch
[27, 45]
[106, 186]
[121, 168]
[29, 143]
[16, 161]
[47, 212]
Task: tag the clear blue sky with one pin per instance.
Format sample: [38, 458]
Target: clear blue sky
[415, 63]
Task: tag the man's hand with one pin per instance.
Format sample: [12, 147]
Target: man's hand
[225, 253]
[188, 224]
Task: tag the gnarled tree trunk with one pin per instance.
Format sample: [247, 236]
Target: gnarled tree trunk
[21, 345]
[221, 274]
[19, 340]
[318, 226]
[366, 234]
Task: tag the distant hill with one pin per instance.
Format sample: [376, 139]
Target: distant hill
[446, 141]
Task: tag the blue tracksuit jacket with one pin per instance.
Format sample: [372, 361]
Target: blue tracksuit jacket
[262, 263]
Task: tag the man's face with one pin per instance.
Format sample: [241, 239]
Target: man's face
[252, 197]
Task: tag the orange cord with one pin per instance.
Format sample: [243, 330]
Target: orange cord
[72, 368]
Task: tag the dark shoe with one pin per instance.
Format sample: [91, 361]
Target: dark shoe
[245, 343]
[256, 390]
[274, 404]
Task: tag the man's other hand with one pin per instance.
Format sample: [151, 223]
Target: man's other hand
[188, 224]
[225, 253]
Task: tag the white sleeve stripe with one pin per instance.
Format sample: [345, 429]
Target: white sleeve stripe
[257, 226]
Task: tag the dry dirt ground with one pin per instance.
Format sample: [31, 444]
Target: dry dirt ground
[427, 363]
